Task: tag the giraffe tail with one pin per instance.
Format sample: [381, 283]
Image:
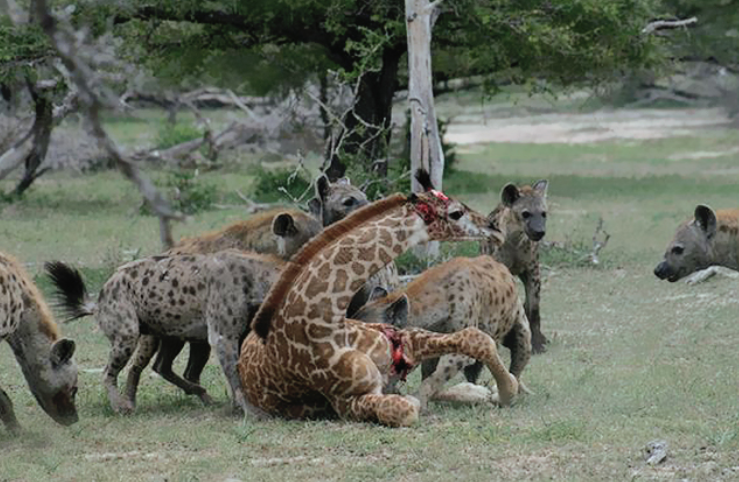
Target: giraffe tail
[70, 290]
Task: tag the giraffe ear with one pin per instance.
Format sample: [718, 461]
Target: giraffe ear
[322, 187]
[396, 313]
[283, 225]
[509, 194]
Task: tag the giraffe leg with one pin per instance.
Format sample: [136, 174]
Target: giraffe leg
[145, 350]
[421, 345]
[390, 410]
[446, 369]
[7, 415]
[356, 394]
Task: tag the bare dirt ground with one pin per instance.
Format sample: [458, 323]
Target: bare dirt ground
[581, 128]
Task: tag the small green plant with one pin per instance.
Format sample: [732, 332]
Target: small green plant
[274, 185]
[170, 135]
[187, 193]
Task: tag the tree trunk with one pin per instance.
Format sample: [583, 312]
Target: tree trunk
[425, 142]
[368, 124]
[42, 127]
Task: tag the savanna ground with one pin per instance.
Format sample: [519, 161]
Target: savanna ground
[631, 359]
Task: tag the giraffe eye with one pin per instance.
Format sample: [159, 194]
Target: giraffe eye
[456, 215]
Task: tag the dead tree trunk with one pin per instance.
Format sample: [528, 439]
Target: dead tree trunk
[426, 150]
[41, 131]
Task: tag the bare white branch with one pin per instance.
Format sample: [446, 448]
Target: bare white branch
[668, 24]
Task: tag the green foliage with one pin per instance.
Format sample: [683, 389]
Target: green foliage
[187, 193]
[170, 135]
[22, 49]
[274, 185]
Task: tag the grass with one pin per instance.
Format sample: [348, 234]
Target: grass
[631, 359]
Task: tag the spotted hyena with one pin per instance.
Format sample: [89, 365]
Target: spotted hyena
[280, 232]
[208, 298]
[710, 239]
[522, 215]
[463, 292]
[44, 356]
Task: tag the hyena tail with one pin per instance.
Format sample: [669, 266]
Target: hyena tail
[70, 290]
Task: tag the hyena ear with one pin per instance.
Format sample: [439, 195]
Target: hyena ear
[509, 194]
[541, 187]
[61, 352]
[424, 179]
[377, 293]
[396, 313]
[283, 224]
[323, 186]
[314, 207]
[706, 220]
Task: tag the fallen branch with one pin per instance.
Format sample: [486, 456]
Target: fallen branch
[81, 75]
[668, 24]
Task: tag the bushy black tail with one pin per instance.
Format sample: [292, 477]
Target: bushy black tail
[70, 293]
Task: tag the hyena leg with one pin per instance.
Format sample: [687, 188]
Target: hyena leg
[518, 340]
[446, 369]
[421, 345]
[169, 349]
[532, 283]
[227, 350]
[145, 350]
[361, 398]
[199, 355]
[7, 415]
[120, 353]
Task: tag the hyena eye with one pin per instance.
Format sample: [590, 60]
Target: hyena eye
[544, 215]
[678, 250]
[456, 215]
[349, 202]
[526, 214]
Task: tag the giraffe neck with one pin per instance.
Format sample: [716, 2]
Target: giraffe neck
[322, 290]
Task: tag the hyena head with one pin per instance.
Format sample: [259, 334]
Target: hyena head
[380, 309]
[52, 379]
[691, 247]
[293, 232]
[334, 201]
[528, 207]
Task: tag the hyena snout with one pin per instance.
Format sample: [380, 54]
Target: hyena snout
[663, 270]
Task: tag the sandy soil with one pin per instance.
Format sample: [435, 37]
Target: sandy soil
[574, 128]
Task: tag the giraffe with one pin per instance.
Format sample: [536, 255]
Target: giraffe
[303, 358]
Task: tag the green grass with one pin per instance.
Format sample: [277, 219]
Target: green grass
[631, 359]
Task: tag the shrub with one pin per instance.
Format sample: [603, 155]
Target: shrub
[186, 192]
[275, 185]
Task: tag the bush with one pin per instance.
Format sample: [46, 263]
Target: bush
[186, 192]
[276, 185]
[170, 135]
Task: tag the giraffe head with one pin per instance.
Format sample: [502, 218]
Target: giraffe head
[447, 219]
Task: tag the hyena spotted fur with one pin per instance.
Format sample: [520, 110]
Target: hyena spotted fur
[710, 239]
[463, 292]
[279, 232]
[208, 298]
[522, 215]
[44, 356]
